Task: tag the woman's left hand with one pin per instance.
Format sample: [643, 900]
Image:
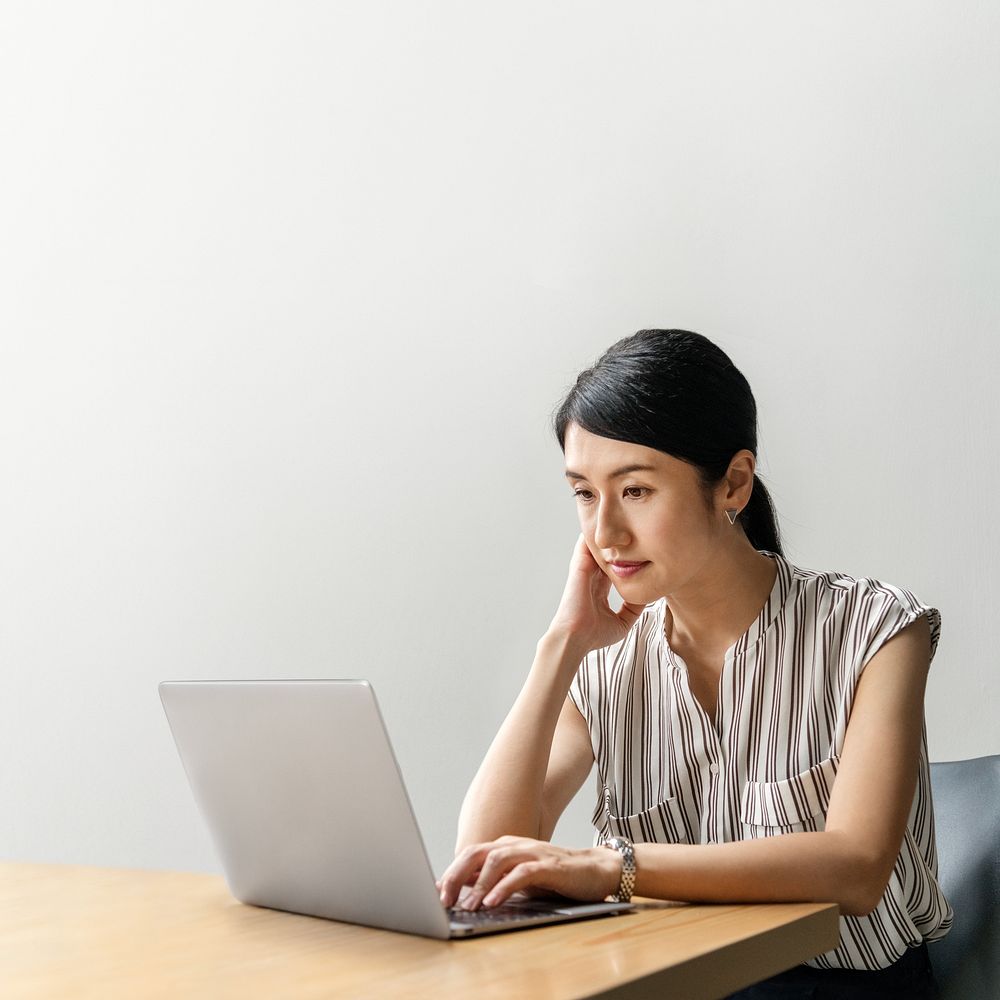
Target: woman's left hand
[501, 867]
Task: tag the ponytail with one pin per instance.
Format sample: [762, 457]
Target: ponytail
[759, 521]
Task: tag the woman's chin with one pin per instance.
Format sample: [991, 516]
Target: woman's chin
[635, 593]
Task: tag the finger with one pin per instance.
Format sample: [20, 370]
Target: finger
[499, 862]
[533, 874]
[469, 881]
[452, 883]
[591, 563]
[600, 585]
[451, 890]
[584, 559]
[464, 868]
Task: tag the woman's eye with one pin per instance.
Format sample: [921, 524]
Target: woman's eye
[632, 492]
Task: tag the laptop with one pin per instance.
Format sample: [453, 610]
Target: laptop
[300, 789]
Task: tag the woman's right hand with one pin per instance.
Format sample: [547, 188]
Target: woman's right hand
[584, 614]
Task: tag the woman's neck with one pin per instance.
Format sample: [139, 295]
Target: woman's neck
[718, 605]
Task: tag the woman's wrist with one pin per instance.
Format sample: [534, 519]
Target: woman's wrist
[609, 867]
[566, 646]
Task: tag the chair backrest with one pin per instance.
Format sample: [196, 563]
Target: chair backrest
[967, 822]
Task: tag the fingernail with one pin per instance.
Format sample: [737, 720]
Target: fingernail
[490, 900]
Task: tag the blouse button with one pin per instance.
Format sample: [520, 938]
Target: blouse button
[713, 767]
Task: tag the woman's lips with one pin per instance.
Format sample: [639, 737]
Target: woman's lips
[626, 569]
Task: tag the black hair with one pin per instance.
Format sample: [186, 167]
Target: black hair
[677, 392]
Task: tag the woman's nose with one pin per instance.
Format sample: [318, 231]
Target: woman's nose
[609, 531]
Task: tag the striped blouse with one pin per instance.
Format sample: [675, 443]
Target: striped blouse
[766, 764]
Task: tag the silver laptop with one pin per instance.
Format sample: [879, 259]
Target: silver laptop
[301, 791]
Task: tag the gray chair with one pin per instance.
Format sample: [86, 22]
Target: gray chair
[967, 821]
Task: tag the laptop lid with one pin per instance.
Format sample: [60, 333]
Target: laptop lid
[304, 799]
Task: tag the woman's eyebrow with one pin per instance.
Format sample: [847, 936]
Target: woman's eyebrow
[618, 473]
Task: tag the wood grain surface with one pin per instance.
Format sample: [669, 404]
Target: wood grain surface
[80, 932]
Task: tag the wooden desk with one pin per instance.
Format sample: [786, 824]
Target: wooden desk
[69, 931]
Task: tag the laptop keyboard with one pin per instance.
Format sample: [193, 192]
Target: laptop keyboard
[502, 914]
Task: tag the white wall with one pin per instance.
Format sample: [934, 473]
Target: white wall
[290, 290]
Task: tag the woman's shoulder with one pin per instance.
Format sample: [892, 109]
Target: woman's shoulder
[837, 585]
[864, 604]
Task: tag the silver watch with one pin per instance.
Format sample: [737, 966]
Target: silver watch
[627, 884]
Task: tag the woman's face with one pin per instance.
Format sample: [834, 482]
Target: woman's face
[639, 505]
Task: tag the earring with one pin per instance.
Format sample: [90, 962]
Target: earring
[731, 514]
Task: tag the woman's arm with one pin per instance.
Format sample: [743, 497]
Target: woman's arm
[848, 863]
[851, 861]
[523, 766]
[538, 759]
[542, 753]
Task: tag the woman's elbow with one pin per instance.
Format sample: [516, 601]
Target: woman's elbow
[856, 872]
[859, 904]
[864, 891]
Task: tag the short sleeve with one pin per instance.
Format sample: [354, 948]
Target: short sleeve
[579, 686]
[888, 612]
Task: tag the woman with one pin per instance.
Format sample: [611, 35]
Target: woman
[757, 727]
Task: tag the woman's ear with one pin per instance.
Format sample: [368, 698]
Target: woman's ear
[738, 484]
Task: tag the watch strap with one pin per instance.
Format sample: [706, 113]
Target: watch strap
[627, 883]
